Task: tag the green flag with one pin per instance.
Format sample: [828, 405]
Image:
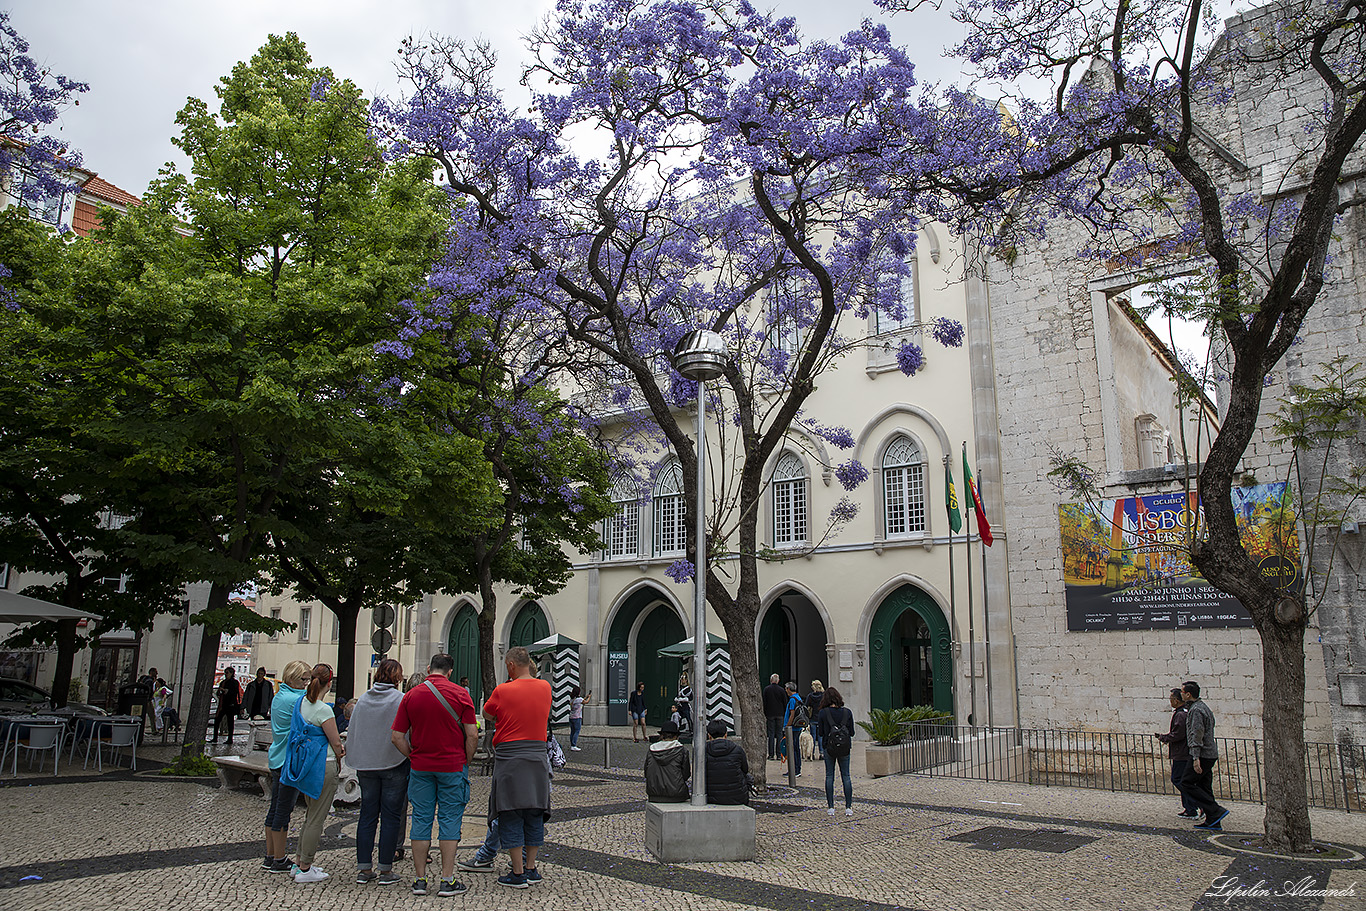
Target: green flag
[951, 500]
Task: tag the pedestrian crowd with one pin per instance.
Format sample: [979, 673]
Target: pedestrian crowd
[411, 748]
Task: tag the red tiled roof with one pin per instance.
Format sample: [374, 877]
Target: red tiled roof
[85, 220]
[104, 190]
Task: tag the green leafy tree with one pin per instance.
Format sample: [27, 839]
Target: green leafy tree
[63, 513]
[241, 307]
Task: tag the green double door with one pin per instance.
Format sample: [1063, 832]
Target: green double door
[463, 647]
[661, 628]
[910, 652]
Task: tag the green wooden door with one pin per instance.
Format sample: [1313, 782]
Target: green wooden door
[660, 629]
[910, 652]
[775, 645]
[463, 647]
[530, 626]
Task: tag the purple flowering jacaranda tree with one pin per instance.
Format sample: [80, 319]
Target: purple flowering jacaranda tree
[32, 97]
[685, 165]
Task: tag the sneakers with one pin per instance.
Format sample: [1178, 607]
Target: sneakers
[267, 862]
[475, 865]
[577, 749]
[848, 811]
[281, 865]
[830, 811]
[513, 880]
[533, 877]
[313, 874]
[1187, 814]
[386, 878]
[420, 886]
[366, 876]
[451, 887]
[1212, 823]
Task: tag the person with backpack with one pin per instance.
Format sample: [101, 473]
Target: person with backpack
[835, 727]
[797, 719]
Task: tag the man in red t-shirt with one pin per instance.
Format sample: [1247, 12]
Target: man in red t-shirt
[435, 728]
[520, 710]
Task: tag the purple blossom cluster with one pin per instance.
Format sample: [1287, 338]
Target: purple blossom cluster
[7, 298]
[851, 473]
[318, 90]
[681, 571]
[947, 332]
[844, 512]
[910, 358]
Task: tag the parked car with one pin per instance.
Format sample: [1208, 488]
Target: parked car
[18, 697]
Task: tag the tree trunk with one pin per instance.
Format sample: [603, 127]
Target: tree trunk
[197, 718]
[746, 692]
[66, 660]
[1286, 823]
[347, 613]
[488, 659]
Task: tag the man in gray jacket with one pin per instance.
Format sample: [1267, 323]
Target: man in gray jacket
[1199, 778]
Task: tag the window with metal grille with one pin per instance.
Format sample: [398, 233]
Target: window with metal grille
[671, 514]
[789, 501]
[903, 488]
[622, 529]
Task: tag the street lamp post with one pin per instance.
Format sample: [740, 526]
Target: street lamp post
[700, 356]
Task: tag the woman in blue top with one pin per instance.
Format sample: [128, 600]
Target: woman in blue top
[292, 684]
[310, 768]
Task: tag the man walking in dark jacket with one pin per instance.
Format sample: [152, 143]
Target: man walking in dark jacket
[668, 770]
[1175, 738]
[775, 709]
[727, 767]
[1199, 778]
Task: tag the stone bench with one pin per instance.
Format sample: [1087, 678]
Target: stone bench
[232, 769]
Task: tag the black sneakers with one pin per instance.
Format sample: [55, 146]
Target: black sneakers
[451, 887]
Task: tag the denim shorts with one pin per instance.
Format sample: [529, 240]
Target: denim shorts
[442, 795]
[521, 828]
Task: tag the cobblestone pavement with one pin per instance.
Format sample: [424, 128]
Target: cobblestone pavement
[139, 841]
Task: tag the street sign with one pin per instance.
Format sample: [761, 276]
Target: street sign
[384, 617]
[382, 641]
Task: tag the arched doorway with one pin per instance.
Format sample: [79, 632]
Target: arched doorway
[910, 652]
[791, 641]
[463, 647]
[530, 625]
[633, 658]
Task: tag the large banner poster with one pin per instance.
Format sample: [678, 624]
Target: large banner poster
[1126, 562]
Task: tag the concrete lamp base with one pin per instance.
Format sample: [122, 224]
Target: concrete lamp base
[679, 833]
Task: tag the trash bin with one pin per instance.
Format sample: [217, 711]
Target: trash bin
[136, 699]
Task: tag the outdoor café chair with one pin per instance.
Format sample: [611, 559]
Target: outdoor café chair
[116, 736]
[39, 737]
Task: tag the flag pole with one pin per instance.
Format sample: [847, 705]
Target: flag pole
[986, 632]
[949, 505]
[972, 631]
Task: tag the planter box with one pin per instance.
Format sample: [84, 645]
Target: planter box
[879, 761]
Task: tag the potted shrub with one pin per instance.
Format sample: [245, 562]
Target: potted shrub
[889, 729]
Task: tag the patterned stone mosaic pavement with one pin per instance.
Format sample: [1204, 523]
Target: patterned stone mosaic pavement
[139, 841]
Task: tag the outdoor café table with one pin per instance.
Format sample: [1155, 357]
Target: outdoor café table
[12, 730]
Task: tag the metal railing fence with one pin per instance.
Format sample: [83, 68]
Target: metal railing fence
[1102, 760]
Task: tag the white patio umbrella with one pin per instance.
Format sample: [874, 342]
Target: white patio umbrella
[23, 609]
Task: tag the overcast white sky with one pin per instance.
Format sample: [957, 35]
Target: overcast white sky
[143, 59]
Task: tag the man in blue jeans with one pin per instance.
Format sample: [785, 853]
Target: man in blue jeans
[790, 721]
[435, 728]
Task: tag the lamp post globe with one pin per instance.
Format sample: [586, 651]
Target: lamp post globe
[700, 355]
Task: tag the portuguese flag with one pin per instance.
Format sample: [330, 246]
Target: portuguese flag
[983, 526]
[951, 500]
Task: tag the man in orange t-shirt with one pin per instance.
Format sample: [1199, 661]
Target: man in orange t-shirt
[520, 711]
